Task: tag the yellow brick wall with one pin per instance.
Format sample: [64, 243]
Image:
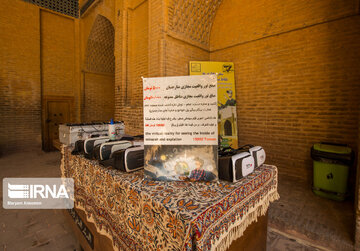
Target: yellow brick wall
[105, 8]
[156, 43]
[97, 88]
[297, 77]
[357, 197]
[42, 55]
[295, 66]
[178, 55]
[58, 65]
[20, 109]
[132, 60]
[191, 21]
[242, 21]
[98, 97]
[167, 56]
[137, 63]
[38, 59]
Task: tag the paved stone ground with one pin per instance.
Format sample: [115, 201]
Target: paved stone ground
[319, 221]
[279, 241]
[33, 229]
[46, 229]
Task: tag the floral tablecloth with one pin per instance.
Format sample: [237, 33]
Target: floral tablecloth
[150, 215]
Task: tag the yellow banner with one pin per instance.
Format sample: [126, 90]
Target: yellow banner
[227, 122]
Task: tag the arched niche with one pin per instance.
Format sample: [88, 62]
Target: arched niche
[100, 47]
[98, 98]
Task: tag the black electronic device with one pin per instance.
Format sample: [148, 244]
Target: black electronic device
[105, 150]
[90, 143]
[129, 159]
[233, 167]
[78, 148]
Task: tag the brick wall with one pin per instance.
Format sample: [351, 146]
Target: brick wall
[98, 97]
[191, 21]
[138, 62]
[99, 56]
[243, 21]
[98, 63]
[163, 56]
[132, 31]
[58, 64]
[297, 77]
[42, 56]
[295, 66]
[357, 198]
[156, 43]
[37, 60]
[178, 55]
[20, 109]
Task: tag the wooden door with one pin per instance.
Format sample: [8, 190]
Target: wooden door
[56, 112]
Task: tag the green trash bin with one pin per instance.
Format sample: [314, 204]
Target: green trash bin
[331, 163]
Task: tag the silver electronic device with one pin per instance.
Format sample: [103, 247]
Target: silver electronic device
[70, 133]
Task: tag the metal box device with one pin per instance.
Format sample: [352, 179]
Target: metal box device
[70, 133]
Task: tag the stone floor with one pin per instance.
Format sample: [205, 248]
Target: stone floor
[280, 241]
[313, 219]
[295, 220]
[33, 229]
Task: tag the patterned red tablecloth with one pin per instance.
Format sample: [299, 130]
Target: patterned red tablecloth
[151, 215]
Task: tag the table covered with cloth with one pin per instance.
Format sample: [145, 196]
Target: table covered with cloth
[138, 214]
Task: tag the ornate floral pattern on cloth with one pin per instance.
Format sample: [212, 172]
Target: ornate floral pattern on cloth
[152, 215]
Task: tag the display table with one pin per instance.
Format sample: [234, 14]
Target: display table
[136, 214]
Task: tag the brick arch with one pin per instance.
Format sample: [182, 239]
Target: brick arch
[100, 47]
[192, 20]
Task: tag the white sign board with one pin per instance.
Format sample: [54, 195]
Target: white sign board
[180, 110]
